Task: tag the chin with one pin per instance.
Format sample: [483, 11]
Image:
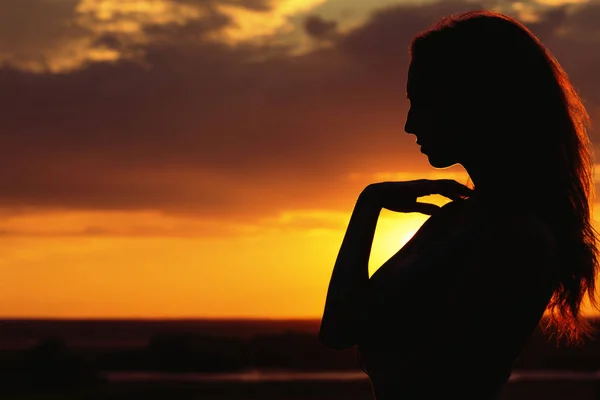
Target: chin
[440, 162]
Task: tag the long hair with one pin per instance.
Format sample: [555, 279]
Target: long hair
[508, 83]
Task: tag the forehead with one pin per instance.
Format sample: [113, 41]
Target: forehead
[422, 79]
[415, 82]
[410, 78]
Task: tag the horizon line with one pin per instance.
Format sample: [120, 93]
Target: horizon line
[184, 318]
[157, 318]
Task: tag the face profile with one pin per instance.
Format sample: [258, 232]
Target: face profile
[432, 119]
[481, 88]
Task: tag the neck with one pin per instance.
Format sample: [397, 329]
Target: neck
[491, 183]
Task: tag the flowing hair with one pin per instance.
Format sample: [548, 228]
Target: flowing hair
[508, 82]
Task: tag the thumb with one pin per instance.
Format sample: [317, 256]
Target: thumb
[425, 208]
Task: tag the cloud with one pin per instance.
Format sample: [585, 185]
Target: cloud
[68, 33]
[320, 28]
[72, 34]
[252, 24]
[141, 223]
[182, 122]
[555, 3]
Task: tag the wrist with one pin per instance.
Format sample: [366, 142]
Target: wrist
[369, 199]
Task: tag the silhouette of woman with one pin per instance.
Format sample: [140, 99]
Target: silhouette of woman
[450, 312]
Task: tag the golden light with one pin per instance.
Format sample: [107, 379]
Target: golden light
[393, 231]
[250, 25]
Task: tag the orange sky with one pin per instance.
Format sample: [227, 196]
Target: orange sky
[196, 159]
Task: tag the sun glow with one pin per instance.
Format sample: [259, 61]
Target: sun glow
[393, 231]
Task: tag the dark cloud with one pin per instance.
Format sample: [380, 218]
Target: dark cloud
[26, 26]
[255, 5]
[384, 40]
[320, 28]
[211, 128]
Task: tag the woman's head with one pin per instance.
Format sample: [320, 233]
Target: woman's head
[487, 94]
[483, 87]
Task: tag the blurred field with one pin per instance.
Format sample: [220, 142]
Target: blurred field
[69, 360]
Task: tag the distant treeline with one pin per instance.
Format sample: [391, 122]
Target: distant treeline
[52, 362]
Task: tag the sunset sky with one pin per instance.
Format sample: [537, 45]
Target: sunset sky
[200, 158]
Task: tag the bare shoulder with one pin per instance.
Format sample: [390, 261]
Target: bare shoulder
[522, 238]
[523, 229]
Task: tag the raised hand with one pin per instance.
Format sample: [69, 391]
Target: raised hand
[402, 196]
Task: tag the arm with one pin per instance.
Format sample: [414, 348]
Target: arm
[341, 320]
[353, 300]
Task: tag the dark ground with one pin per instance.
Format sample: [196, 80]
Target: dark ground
[288, 391]
[63, 360]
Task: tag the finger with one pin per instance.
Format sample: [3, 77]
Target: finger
[425, 208]
[454, 190]
[451, 183]
[464, 189]
[456, 195]
[444, 187]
